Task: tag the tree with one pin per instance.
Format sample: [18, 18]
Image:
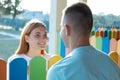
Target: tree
[11, 7]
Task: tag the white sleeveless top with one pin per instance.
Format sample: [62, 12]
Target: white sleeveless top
[27, 58]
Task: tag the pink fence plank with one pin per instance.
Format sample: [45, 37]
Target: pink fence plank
[113, 44]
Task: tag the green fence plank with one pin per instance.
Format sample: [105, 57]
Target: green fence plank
[38, 68]
[99, 43]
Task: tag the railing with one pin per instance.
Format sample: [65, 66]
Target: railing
[106, 40]
[17, 69]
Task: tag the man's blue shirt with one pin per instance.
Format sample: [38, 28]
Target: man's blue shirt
[85, 63]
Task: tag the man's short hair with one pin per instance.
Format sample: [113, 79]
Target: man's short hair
[79, 16]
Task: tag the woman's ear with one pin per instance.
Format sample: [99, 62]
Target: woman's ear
[67, 29]
[27, 38]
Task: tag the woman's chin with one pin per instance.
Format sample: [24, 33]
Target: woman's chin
[42, 47]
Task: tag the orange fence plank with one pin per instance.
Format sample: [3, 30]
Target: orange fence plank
[2, 69]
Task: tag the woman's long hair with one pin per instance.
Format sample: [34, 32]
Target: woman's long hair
[31, 25]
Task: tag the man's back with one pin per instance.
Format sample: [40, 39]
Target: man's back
[85, 63]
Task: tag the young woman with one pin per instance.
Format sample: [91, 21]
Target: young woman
[33, 41]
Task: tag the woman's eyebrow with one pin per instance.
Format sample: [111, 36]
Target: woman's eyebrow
[37, 32]
[40, 32]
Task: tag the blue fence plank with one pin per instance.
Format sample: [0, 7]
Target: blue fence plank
[105, 45]
[62, 49]
[17, 69]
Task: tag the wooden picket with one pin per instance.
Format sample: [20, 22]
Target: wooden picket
[17, 69]
[113, 44]
[53, 60]
[109, 34]
[99, 42]
[92, 33]
[97, 33]
[118, 35]
[2, 69]
[118, 46]
[93, 41]
[114, 34]
[114, 56]
[101, 33]
[38, 68]
[105, 45]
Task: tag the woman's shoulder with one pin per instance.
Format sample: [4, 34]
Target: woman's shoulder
[18, 56]
[47, 56]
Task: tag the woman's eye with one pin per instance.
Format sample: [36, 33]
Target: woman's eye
[45, 36]
[37, 36]
[40, 36]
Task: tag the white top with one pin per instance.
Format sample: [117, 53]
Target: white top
[27, 58]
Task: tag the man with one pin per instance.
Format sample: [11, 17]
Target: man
[83, 62]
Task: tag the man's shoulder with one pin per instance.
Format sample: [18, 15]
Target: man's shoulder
[60, 65]
[64, 60]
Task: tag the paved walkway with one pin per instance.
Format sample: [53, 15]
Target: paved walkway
[12, 36]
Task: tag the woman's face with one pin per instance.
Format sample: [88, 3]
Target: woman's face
[37, 39]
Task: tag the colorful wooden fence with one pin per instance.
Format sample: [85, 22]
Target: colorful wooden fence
[17, 69]
[106, 40]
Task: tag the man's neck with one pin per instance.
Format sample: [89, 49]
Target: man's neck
[79, 43]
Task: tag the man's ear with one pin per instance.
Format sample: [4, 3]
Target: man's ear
[67, 29]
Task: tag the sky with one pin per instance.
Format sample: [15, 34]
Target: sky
[37, 5]
[97, 6]
[106, 6]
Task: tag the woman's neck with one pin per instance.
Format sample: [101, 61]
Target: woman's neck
[32, 53]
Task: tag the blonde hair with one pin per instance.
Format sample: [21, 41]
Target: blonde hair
[31, 25]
